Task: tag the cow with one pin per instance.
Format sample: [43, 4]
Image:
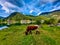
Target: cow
[30, 28]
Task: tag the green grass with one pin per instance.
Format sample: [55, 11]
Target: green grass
[14, 35]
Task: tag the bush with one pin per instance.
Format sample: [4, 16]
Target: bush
[38, 22]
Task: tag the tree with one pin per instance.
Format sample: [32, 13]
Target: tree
[38, 22]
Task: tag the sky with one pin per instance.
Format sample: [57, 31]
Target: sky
[29, 7]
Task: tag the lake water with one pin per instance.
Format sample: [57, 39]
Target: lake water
[3, 27]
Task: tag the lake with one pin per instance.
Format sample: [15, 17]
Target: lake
[3, 27]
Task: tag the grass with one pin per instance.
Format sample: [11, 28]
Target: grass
[14, 35]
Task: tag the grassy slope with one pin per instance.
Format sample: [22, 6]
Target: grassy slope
[14, 35]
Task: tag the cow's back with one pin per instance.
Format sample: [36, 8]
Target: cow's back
[31, 28]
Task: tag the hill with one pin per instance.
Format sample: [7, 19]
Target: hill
[16, 16]
[1, 17]
[57, 12]
[19, 16]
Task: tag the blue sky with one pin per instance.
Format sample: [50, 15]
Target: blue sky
[33, 7]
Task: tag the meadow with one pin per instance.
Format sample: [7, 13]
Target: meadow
[14, 35]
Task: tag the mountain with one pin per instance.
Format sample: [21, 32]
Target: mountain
[1, 17]
[56, 12]
[18, 16]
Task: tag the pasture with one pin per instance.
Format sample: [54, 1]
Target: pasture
[14, 35]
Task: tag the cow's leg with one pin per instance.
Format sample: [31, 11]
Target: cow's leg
[30, 32]
[37, 31]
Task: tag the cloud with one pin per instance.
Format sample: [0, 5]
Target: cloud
[39, 13]
[8, 7]
[34, 7]
[31, 11]
[49, 1]
[4, 7]
[57, 8]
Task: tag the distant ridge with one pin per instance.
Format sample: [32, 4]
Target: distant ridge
[47, 13]
[1, 17]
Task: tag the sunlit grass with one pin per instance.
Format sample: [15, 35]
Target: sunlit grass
[14, 35]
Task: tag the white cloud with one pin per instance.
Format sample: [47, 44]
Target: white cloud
[31, 11]
[7, 4]
[7, 7]
[49, 0]
[10, 7]
[56, 8]
[39, 13]
[52, 0]
[4, 7]
[53, 9]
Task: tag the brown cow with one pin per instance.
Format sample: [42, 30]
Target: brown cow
[30, 28]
